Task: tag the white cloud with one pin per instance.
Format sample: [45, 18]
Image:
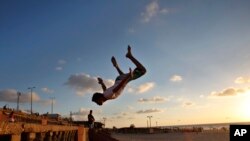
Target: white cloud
[10, 95]
[142, 88]
[61, 62]
[130, 107]
[227, 92]
[149, 111]
[82, 114]
[202, 96]
[176, 78]
[164, 11]
[59, 68]
[185, 102]
[46, 102]
[152, 10]
[242, 80]
[188, 103]
[123, 115]
[85, 84]
[82, 111]
[47, 90]
[156, 99]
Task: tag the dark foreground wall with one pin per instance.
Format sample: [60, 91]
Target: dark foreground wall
[38, 132]
[100, 135]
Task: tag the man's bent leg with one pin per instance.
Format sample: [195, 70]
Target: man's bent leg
[139, 66]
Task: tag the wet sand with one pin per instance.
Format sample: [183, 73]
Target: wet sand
[204, 136]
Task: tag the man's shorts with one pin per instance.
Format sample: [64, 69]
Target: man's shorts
[137, 73]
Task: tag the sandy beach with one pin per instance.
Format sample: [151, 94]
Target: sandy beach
[204, 136]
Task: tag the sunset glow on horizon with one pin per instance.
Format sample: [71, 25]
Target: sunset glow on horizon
[196, 53]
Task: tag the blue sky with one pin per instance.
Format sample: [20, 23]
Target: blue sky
[196, 53]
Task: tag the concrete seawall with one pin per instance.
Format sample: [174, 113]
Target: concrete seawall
[36, 132]
[29, 127]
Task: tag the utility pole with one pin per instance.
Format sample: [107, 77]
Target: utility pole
[31, 89]
[71, 114]
[147, 123]
[18, 95]
[104, 120]
[150, 120]
[52, 103]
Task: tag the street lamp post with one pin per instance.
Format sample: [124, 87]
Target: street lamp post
[31, 89]
[147, 123]
[18, 95]
[150, 120]
[52, 102]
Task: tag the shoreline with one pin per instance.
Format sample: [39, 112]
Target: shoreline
[174, 136]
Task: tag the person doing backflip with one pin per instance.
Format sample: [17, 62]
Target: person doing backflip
[121, 80]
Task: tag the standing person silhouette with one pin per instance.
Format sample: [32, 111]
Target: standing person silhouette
[91, 120]
[121, 80]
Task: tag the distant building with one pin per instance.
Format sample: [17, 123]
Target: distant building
[53, 116]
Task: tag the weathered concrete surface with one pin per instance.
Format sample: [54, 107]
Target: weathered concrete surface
[82, 134]
[100, 135]
[30, 128]
[18, 128]
[15, 137]
[31, 132]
